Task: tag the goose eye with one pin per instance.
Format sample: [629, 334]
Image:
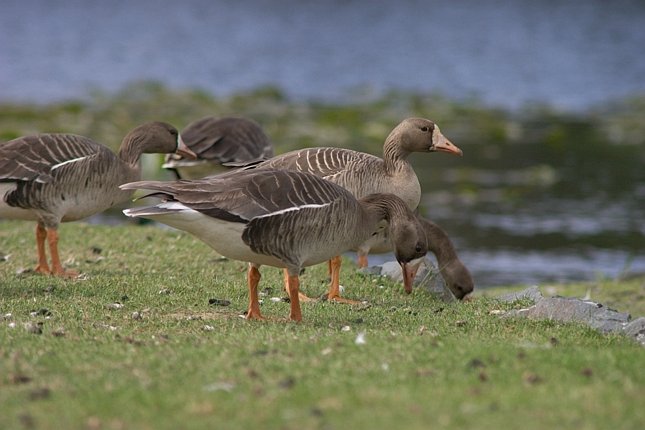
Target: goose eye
[419, 248]
[425, 129]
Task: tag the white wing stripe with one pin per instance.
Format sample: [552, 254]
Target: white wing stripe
[296, 208]
[74, 160]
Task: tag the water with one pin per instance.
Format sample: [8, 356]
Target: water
[567, 53]
[507, 227]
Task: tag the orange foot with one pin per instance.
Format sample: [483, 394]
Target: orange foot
[339, 299]
[254, 316]
[44, 270]
[68, 274]
[304, 298]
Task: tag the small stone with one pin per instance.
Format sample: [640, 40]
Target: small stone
[288, 382]
[136, 315]
[41, 312]
[164, 291]
[219, 302]
[39, 393]
[360, 339]
[34, 328]
[116, 305]
[476, 363]
[59, 332]
[208, 328]
[346, 328]
[531, 378]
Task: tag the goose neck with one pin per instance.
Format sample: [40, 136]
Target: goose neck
[394, 155]
[131, 149]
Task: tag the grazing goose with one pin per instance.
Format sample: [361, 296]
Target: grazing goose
[219, 144]
[364, 174]
[53, 178]
[281, 219]
[454, 273]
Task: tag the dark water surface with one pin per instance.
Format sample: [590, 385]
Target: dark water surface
[517, 215]
[567, 53]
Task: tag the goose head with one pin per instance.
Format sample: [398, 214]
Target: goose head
[158, 138]
[406, 233]
[422, 135]
[458, 279]
[410, 247]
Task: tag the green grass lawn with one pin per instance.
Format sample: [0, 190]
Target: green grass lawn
[136, 345]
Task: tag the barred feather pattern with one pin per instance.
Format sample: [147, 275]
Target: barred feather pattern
[227, 139]
[295, 217]
[65, 177]
[358, 172]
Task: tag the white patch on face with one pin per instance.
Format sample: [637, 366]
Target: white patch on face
[296, 208]
[56, 166]
[436, 135]
[180, 142]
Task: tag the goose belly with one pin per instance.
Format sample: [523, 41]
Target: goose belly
[223, 236]
[14, 212]
[59, 203]
[11, 212]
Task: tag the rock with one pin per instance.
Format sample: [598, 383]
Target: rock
[567, 309]
[570, 309]
[532, 293]
[636, 329]
[427, 277]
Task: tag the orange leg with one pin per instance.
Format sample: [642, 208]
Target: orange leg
[57, 267]
[294, 286]
[41, 235]
[334, 287]
[301, 296]
[253, 277]
[362, 259]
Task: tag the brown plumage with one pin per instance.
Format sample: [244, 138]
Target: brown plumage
[280, 218]
[364, 174]
[53, 178]
[219, 144]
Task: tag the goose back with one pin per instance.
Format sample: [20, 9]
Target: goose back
[220, 143]
[360, 173]
[296, 218]
[58, 177]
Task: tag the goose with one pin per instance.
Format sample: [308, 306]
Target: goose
[52, 178]
[279, 218]
[455, 274]
[219, 144]
[453, 271]
[363, 174]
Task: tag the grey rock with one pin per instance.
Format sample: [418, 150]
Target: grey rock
[532, 293]
[427, 277]
[567, 309]
[636, 330]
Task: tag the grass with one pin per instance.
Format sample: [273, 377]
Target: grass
[168, 359]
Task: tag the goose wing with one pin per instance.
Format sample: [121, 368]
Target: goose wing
[325, 162]
[227, 139]
[36, 157]
[247, 194]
